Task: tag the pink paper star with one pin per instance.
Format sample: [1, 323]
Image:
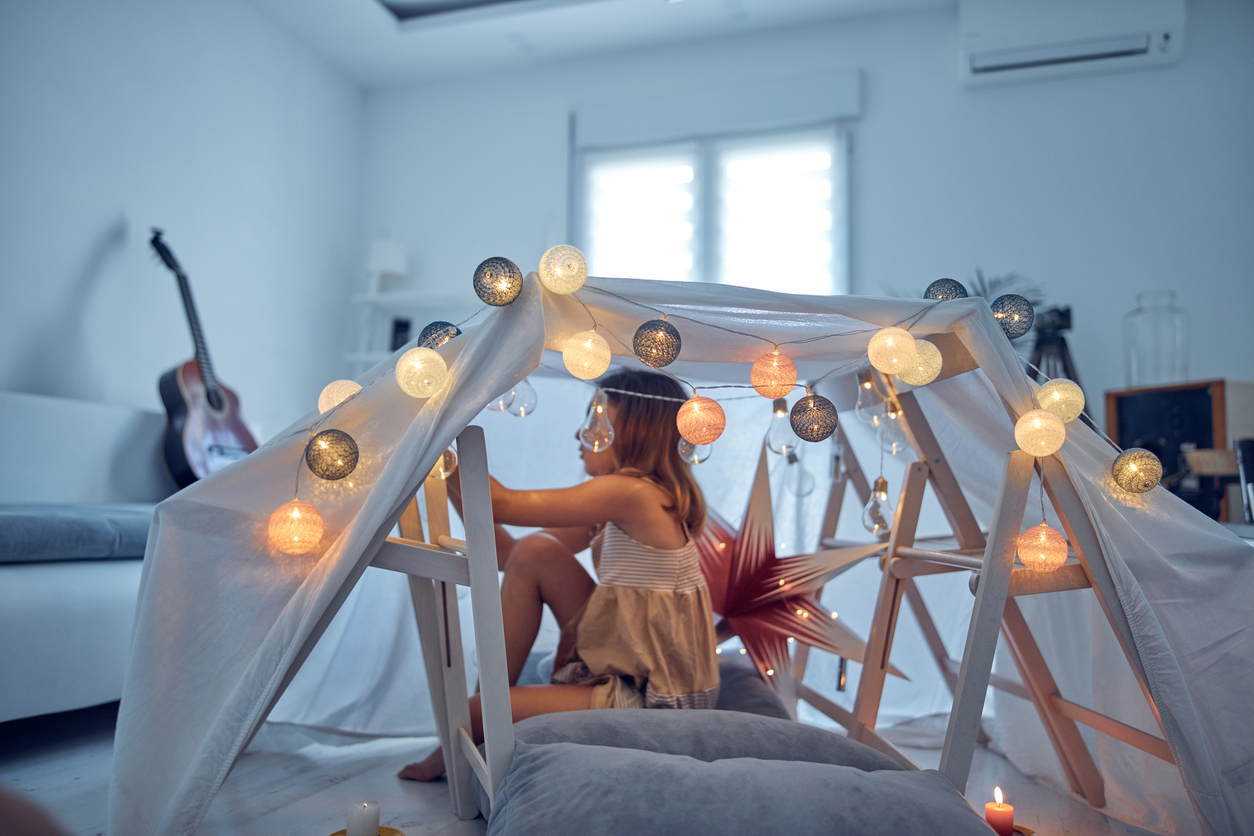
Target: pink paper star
[765, 600]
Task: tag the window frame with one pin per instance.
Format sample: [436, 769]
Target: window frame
[706, 233]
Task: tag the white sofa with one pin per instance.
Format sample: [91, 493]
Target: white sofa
[79, 483]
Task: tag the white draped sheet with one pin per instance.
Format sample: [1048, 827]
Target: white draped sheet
[221, 618]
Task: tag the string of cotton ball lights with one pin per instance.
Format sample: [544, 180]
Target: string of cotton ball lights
[421, 372]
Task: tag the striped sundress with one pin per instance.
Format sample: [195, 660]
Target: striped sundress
[646, 636]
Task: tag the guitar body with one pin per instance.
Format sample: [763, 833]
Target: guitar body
[200, 439]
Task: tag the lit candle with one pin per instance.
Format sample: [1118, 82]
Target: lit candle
[363, 819]
[1000, 817]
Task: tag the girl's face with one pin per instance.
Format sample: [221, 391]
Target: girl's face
[602, 461]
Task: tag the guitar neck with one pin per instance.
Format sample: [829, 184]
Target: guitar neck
[198, 340]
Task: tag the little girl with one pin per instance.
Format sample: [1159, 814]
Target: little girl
[643, 637]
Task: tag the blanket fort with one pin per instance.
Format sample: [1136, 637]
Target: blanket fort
[222, 616]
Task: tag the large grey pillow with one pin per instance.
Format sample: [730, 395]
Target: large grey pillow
[566, 788]
[707, 735]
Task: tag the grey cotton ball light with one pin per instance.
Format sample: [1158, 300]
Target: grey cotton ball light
[331, 454]
[1014, 314]
[942, 290]
[657, 343]
[1136, 470]
[437, 334]
[813, 418]
[498, 281]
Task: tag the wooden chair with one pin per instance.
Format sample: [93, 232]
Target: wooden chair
[436, 566]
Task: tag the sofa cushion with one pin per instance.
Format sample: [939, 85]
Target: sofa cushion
[39, 532]
[706, 735]
[567, 788]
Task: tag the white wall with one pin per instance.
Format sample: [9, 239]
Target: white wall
[1096, 187]
[201, 118]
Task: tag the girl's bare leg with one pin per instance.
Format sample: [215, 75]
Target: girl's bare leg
[525, 701]
[540, 571]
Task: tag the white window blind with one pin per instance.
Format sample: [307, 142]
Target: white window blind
[775, 213]
[765, 210]
[640, 218]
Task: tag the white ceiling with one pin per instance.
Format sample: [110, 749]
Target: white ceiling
[363, 39]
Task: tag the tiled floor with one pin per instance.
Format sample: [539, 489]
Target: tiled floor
[62, 762]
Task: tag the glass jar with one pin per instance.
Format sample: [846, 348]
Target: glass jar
[1154, 350]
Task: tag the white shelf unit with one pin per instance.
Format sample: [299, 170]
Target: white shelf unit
[376, 310]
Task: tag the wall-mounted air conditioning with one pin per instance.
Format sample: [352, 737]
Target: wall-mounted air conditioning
[1019, 40]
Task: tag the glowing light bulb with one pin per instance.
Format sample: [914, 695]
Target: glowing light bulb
[779, 436]
[421, 372]
[694, 454]
[891, 350]
[926, 366]
[1137, 470]
[336, 392]
[1042, 548]
[563, 269]
[524, 399]
[502, 401]
[701, 420]
[797, 480]
[773, 375]
[877, 513]
[445, 465]
[892, 435]
[295, 528]
[586, 355]
[870, 408]
[1040, 433]
[1063, 398]
[597, 432]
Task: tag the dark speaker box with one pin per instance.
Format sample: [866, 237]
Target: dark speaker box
[1167, 420]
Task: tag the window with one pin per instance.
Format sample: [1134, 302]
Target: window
[762, 211]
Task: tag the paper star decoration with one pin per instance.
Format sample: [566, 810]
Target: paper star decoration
[764, 600]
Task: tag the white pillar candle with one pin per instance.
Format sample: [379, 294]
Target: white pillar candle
[363, 819]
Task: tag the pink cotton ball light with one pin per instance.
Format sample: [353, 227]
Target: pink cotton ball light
[295, 528]
[701, 420]
[1042, 548]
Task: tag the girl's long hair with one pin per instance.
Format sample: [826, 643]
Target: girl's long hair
[646, 439]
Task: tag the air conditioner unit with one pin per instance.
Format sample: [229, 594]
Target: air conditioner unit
[1020, 40]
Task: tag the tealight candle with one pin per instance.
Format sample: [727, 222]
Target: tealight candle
[1000, 817]
[363, 819]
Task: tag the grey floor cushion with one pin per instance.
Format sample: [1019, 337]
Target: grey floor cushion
[707, 735]
[34, 532]
[569, 788]
[741, 688]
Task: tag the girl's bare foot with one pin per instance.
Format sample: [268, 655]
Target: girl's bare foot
[428, 769]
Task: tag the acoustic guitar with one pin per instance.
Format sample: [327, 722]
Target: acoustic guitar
[203, 432]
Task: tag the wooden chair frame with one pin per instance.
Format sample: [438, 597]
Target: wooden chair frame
[997, 583]
[436, 566]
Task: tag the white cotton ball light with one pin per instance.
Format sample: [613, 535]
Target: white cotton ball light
[1040, 433]
[295, 528]
[926, 366]
[336, 392]
[1063, 398]
[563, 269]
[586, 355]
[421, 372]
[891, 350]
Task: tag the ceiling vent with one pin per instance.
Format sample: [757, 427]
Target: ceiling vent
[1021, 40]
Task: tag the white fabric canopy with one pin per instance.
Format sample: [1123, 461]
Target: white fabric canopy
[221, 618]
